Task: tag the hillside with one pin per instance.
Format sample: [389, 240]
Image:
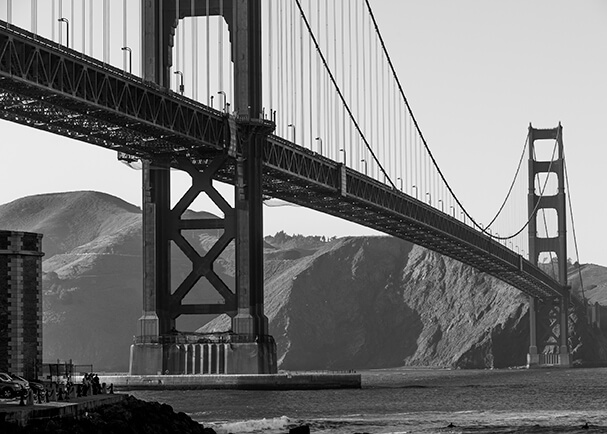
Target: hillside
[360, 302]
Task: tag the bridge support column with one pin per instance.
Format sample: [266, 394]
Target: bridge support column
[251, 348]
[548, 319]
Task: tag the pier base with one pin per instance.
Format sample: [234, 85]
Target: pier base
[195, 354]
[146, 359]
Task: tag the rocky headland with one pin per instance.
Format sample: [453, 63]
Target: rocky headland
[131, 416]
[348, 303]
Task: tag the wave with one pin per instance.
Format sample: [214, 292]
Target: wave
[252, 426]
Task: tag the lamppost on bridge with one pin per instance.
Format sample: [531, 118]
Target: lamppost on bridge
[401, 182]
[212, 98]
[225, 100]
[319, 145]
[364, 161]
[414, 187]
[344, 151]
[429, 196]
[294, 136]
[452, 211]
[463, 216]
[128, 49]
[67, 28]
[442, 208]
[181, 86]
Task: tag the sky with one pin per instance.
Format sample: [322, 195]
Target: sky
[475, 72]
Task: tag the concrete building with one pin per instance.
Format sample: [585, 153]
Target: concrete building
[20, 303]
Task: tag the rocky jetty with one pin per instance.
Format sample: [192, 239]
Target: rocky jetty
[132, 416]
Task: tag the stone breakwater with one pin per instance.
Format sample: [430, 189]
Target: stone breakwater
[131, 415]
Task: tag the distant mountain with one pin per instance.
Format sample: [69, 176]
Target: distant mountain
[360, 302]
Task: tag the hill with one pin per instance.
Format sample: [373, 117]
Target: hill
[359, 302]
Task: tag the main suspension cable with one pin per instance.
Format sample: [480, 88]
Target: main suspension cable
[425, 144]
[339, 92]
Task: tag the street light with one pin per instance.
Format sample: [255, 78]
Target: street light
[181, 87]
[452, 211]
[225, 99]
[294, 136]
[344, 151]
[67, 28]
[401, 182]
[319, 144]
[442, 207]
[429, 195]
[364, 161]
[414, 187]
[128, 49]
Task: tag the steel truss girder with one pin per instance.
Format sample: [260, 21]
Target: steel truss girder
[47, 86]
[202, 266]
[300, 176]
[54, 84]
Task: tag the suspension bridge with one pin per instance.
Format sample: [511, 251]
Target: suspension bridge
[296, 100]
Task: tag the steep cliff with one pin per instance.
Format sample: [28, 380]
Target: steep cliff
[373, 302]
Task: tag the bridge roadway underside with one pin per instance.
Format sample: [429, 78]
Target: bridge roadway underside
[46, 86]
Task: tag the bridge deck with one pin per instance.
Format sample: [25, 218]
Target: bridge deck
[47, 86]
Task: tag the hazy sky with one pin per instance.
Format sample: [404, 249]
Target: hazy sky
[475, 73]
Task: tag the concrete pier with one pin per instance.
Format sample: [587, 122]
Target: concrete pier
[282, 381]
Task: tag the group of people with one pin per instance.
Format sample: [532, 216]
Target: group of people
[90, 384]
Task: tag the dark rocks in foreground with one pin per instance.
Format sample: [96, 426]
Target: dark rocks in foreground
[132, 416]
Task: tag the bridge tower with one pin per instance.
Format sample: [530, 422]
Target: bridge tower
[548, 343]
[248, 349]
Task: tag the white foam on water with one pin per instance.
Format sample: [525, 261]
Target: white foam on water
[251, 426]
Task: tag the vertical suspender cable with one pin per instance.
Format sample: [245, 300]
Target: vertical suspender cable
[289, 95]
[83, 18]
[71, 35]
[177, 47]
[349, 42]
[293, 77]
[208, 55]
[347, 146]
[91, 26]
[383, 114]
[194, 42]
[53, 20]
[334, 99]
[364, 69]
[318, 85]
[182, 48]
[220, 36]
[377, 127]
[35, 16]
[60, 16]
[281, 82]
[124, 38]
[270, 58]
[105, 31]
[310, 105]
[357, 50]
[318, 105]
[301, 83]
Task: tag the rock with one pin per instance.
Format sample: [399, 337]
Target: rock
[303, 429]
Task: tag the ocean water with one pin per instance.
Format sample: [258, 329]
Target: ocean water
[412, 401]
